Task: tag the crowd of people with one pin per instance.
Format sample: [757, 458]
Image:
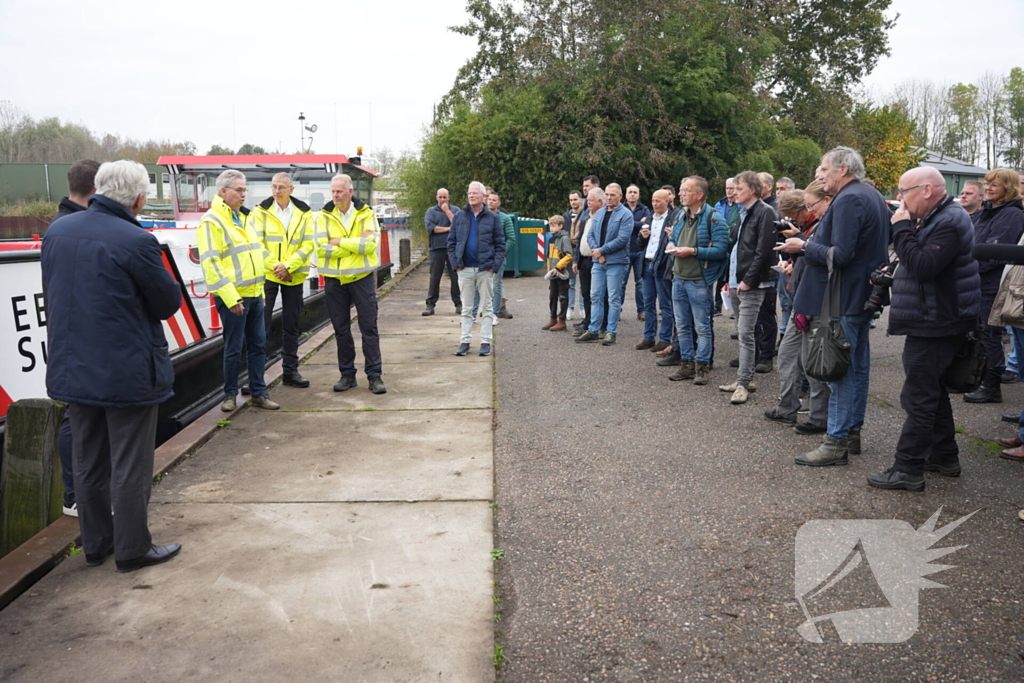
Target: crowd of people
[827, 255]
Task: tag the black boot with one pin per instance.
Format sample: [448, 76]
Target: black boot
[988, 392]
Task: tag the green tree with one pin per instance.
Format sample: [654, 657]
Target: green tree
[885, 138]
[1014, 87]
[962, 137]
[217, 150]
[248, 148]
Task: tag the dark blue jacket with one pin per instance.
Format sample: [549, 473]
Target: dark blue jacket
[662, 261]
[639, 214]
[936, 289]
[729, 212]
[106, 292]
[857, 225]
[436, 217]
[1001, 224]
[616, 238]
[712, 241]
[490, 239]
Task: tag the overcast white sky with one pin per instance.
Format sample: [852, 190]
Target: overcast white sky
[231, 73]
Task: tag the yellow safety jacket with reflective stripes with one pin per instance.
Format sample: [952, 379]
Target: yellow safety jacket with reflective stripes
[356, 255]
[231, 256]
[290, 244]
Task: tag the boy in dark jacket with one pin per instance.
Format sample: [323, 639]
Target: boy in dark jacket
[559, 260]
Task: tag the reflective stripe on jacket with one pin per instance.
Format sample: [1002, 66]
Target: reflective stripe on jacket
[290, 244]
[356, 255]
[231, 256]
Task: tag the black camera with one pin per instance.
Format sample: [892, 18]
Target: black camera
[881, 278]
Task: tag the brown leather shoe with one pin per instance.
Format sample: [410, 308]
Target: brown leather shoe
[559, 326]
[1015, 442]
[660, 346]
[551, 323]
[645, 344]
[640, 316]
[1013, 454]
[664, 352]
[265, 403]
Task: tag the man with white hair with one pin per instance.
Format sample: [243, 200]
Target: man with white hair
[284, 225]
[783, 184]
[347, 237]
[608, 239]
[476, 249]
[852, 239]
[107, 291]
[231, 255]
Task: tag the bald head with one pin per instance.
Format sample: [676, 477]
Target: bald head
[660, 201]
[921, 189]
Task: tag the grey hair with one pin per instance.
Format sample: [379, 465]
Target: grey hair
[785, 179]
[597, 192]
[345, 177]
[729, 180]
[483, 188]
[227, 177]
[283, 176]
[615, 185]
[848, 157]
[123, 181]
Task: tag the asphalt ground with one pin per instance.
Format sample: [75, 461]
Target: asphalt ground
[649, 527]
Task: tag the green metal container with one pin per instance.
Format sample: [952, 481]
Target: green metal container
[531, 245]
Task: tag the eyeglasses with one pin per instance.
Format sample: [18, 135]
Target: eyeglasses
[280, 188]
[810, 207]
[904, 192]
[239, 190]
[993, 185]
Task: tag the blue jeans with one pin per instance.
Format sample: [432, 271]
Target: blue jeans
[1016, 349]
[1017, 342]
[657, 294]
[849, 397]
[572, 290]
[251, 329]
[606, 277]
[692, 302]
[636, 264]
[786, 300]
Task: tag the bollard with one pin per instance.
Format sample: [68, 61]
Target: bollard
[31, 489]
[214, 317]
[404, 253]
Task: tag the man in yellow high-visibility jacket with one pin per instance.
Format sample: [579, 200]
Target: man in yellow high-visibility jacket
[285, 227]
[232, 260]
[347, 235]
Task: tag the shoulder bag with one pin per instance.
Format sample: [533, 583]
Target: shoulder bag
[828, 350]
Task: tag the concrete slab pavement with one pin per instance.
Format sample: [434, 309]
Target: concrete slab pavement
[346, 537]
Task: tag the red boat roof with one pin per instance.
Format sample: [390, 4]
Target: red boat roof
[283, 161]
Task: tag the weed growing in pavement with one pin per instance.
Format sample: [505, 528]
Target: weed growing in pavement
[158, 477]
[223, 423]
[960, 430]
[74, 549]
[497, 554]
[499, 655]
[494, 505]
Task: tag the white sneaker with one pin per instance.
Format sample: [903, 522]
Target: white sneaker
[71, 511]
[569, 315]
[496, 321]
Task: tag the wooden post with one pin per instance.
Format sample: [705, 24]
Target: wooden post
[31, 488]
[404, 253]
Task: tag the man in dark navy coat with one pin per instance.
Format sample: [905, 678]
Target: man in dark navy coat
[854, 237]
[107, 291]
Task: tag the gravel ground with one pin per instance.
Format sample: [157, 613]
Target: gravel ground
[649, 526]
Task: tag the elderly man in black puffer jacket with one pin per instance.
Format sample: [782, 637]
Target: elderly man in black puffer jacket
[936, 300]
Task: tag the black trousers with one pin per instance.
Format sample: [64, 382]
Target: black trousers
[112, 449]
[929, 433]
[438, 266]
[558, 297]
[291, 307]
[583, 285]
[766, 329]
[992, 338]
[340, 298]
